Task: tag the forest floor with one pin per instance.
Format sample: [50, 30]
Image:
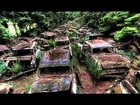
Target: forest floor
[89, 85]
[24, 82]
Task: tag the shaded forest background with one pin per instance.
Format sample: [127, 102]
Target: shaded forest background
[122, 25]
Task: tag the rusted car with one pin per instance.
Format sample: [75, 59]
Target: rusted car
[4, 52]
[101, 52]
[23, 52]
[55, 73]
[63, 42]
[48, 35]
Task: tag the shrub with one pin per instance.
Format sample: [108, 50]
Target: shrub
[28, 87]
[125, 33]
[16, 67]
[83, 40]
[51, 43]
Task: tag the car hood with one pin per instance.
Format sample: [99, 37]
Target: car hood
[51, 84]
[109, 61]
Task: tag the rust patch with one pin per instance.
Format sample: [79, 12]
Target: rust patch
[135, 64]
[112, 58]
[107, 39]
[27, 39]
[62, 38]
[18, 91]
[52, 77]
[98, 44]
[56, 54]
[47, 33]
[3, 47]
[21, 46]
[96, 41]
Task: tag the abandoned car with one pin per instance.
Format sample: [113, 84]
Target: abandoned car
[55, 73]
[48, 35]
[101, 52]
[24, 53]
[4, 52]
[62, 42]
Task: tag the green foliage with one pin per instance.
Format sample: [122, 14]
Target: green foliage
[51, 43]
[83, 58]
[138, 86]
[28, 87]
[112, 19]
[95, 69]
[73, 63]
[91, 19]
[130, 53]
[16, 67]
[2, 67]
[138, 62]
[75, 49]
[79, 90]
[72, 15]
[12, 84]
[133, 20]
[83, 40]
[126, 32]
[71, 34]
[4, 32]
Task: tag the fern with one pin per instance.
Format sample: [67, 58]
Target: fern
[28, 87]
[2, 67]
[95, 69]
[51, 43]
[16, 67]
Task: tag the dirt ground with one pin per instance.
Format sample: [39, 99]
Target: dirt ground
[90, 85]
[23, 83]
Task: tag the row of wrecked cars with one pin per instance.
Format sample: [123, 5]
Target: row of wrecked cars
[54, 72]
[116, 66]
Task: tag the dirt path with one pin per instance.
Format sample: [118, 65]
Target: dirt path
[89, 84]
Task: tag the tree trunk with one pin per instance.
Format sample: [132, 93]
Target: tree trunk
[14, 24]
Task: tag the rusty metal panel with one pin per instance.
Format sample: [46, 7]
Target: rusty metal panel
[51, 84]
[108, 61]
[21, 58]
[47, 62]
[3, 47]
[98, 44]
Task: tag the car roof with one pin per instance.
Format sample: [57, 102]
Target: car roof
[98, 44]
